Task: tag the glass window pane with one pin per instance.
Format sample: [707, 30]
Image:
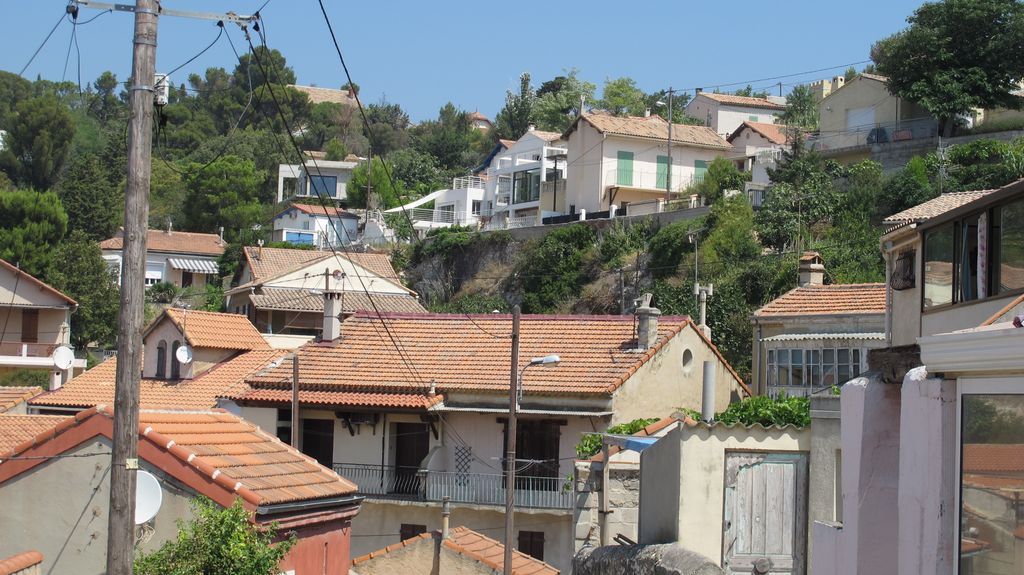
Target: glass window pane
[815, 374]
[323, 185]
[843, 373]
[798, 356]
[1011, 247]
[828, 376]
[844, 356]
[992, 437]
[828, 356]
[783, 375]
[938, 266]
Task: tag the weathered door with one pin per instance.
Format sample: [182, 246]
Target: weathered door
[765, 512]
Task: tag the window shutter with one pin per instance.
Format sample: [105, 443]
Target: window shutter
[662, 171]
[625, 168]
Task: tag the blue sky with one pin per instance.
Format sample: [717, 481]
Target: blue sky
[423, 54]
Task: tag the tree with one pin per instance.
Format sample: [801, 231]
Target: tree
[37, 142]
[350, 87]
[335, 151]
[32, 224]
[92, 202]
[388, 125]
[558, 101]
[515, 118]
[217, 541]
[387, 195]
[105, 102]
[553, 272]
[658, 101]
[750, 93]
[956, 55]
[722, 175]
[416, 172]
[621, 97]
[801, 109]
[83, 274]
[224, 193]
[449, 138]
[803, 195]
[909, 187]
[13, 89]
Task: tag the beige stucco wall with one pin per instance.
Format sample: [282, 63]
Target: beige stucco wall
[203, 358]
[60, 509]
[584, 176]
[378, 523]
[664, 384]
[860, 93]
[53, 327]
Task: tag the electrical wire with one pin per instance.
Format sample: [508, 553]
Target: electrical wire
[43, 43]
[759, 80]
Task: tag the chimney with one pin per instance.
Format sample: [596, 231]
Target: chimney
[707, 403]
[530, 127]
[812, 269]
[170, 226]
[698, 90]
[332, 315]
[647, 112]
[646, 323]
[446, 513]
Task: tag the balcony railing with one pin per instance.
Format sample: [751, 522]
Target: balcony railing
[651, 179]
[468, 183]
[439, 216]
[23, 349]
[388, 482]
[875, 134]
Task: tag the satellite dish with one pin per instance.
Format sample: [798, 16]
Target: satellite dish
[184, 354]
[63, 357]
[338, 274]
[148, 496]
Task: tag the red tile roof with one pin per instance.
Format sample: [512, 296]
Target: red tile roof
[215, 330]
[24, 277]
[654, 128]
[228, 451]
[173, 242]
[745, 101]
[16, 429]
[832, 299]
[283, 394]
[934, 207]
[994, 458]
[266, 263]
[96, 386]
[473, 545]
[315, 210]
[470, 353]
[20, 562]
[12, 396]
[774, 133]
[303, 301]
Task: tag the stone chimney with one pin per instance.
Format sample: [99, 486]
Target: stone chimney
[332, 315]
[646, 322]
[812, 269]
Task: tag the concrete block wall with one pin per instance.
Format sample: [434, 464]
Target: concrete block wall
[623, 501]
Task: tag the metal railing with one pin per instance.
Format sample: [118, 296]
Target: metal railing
[651, 179]
[25, 349]
[552, 186]
[468, 182]
[410, 483]
[875, 134]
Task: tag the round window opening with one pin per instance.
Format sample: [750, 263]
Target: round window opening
[687, 359]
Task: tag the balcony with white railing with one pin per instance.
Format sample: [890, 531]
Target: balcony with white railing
[469, 183]
[391, 483]
[653, 180]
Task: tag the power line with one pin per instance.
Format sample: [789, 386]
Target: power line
[758, 80]
[43, 43]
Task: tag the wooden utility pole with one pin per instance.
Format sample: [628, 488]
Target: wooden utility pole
[295, 401]
[124, 456]
[510, 440]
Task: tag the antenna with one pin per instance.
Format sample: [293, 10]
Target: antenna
[148, 496]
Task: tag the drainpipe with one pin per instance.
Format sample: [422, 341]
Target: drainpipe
[602, 510]
[446, 513]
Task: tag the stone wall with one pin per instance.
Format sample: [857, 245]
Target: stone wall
[623, 501]
[668, 559]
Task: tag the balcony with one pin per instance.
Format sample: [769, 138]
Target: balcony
[653, 180]
[389, 482]
[25, 349]
[469, 183]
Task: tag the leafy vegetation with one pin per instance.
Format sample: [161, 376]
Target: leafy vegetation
[590, 445]
[767, 411]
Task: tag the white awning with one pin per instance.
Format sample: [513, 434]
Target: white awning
[194, 266]
[875, 336]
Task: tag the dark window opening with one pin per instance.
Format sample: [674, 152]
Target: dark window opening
[410, 530]
[903, 277]
[161, 360]
[318, 440]
[284, 425]
[532, 543]
[186, 279]
[29, 325]
[536, 454]
[175, 364]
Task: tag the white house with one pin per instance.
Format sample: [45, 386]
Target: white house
[315, 225]
[459, 205]
[723, 113]
[756, 148]
[182, 258]
[518, 176]
[315, 178]
[617, 161]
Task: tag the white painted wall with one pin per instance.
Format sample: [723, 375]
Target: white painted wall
[725, 118]
[325, 231]
[158, 269]
[341, 170]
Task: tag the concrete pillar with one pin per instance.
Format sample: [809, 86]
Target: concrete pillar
[927, 542]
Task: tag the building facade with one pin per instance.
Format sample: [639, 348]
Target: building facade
[723, 113]
[185, 259]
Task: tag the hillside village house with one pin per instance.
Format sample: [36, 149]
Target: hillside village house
[14, 399]
[315, 178]
[931, 442]
[479, 121]
[413, 427]
[459, 205]
[534, 166]
[816, 335]
[36, 319]
[756, 148]
[281, 290]
[315, 225]
[723, 113]
[55, 482]
[185, 259]
[623, 162]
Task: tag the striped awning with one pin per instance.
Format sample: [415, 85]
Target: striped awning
[863, 336]
[194, 266]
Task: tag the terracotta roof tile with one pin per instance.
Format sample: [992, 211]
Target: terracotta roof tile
[745, 101]
[302, 300]
[16, 429]
[173, 242]
[546, 136]
[933, 208]
[833, 299]
[478, 116]
[774, 133]
[96, 386]
[656, 128]
[994, 458]
[24, 277]
[217, 330]
[321, 210]
[455, 353]
[269, 262]
[338, 398]
[877, 77]
[12, 396]
[20, 562]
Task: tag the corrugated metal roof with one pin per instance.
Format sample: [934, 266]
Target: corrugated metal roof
[814, 336]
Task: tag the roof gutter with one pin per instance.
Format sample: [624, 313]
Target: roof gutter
[347, 500]
[522, 411]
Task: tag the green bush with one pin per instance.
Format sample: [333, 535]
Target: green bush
[591, 442]
[670, 246]
[26, 378]
[768, 411]
[549, 271]
[471, 303]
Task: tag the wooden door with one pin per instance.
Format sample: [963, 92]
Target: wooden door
[765, 515]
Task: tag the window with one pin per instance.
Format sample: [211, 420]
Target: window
[284, 425]
[700, 167]
[991, 479]
[323, 185]
[161, 360]
[662, 174]
[476, 207]
[410, 530]
[624, 171]
[186, 279]
[903, 277]
[175, 364]
[814, 368]
[1009, 229]
[29, 325]
[318, 440]
[938, 266]
[526, 186]
[532, 543]
[289, 187]
[537, 441]
[752, 118]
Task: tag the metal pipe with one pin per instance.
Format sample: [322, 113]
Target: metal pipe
[446, 513]
[707, 404]
[602, 510]
[510, 440]
[295, 400]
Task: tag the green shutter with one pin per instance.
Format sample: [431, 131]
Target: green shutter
[625, 171]
[700, 167]
[662, 172]
[752, 118]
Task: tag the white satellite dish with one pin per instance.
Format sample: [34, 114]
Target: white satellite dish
[148, 496]
[184, 354]
[63, 357]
